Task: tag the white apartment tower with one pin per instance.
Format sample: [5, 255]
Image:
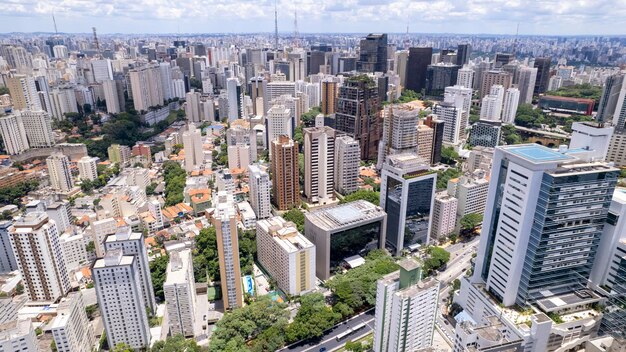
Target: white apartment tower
[526, 84]
[406, 310]
[35, 242]
[71, 330]
[232, 89]
[511, 101]
[132, 243]
[59, 172]
[347, 160]
[111, 97]
[259, 184]
[279, 122]
[491, 107]
[180, 293]
[319, 164]
[24, 93]
[38, 128]
[13, 134]
[465, 77]
[461, 98]
[118, 289]
[444, 215]
[87, 168]
[147, 87]
[192, 142]
[18, 335]
[192, 107]
[286, 254]
[399, 132]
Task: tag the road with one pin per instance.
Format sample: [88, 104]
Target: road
[460, 257]
[329, 340]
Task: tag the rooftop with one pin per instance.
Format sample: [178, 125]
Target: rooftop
[285, 234]
[537, 154]
[345, 215]
[178, 267]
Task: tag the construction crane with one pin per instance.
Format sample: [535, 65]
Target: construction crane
[95, 40]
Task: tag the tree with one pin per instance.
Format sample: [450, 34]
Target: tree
[470, 222]
[370, 196]
[354, 346]
[122, 347]
[312, 319]
[4, 90]
[91, 311]
[205, 257]
[510, 135]
[174, 177]
[91, 247]
[19, 289]
[444, 176]
[176, 343]
[247, 251]
[297, 217]
[53, 346]
[449, 156]
[308, 118]
[437, 257]
[158, 268]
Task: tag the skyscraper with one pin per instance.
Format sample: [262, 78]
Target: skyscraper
[132, 243]
[35, 243]
[425, 142]
[118, 289]
[284, 169]
[438, 132]
[491, 107]
[147, 86]
[110, 95]
[528, 188]
[192, 143]
[451, 115]
[491, 78]
[24, 93]
[373, 54]
[329, 97]
[610, 97]
[407, 192]
[439, 76]
[542, 64]
[259, 184]
[419, 59]
[233, 89]
[511, 101]
[465, 77]
[59, 172]
[13, 134]
[358, 114]
[258, 94]
[7, 257]
[399, 132]
[38, 128]
[279, 122]
[70, 328]
[463, 53]
[180, 293]
[406, 310]
[319, 164]
[347, 161]
[225, 223]
[503, 59]
[526, 84]
[87, 169]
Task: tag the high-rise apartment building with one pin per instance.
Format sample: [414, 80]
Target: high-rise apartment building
[451, 116]
[233, 89]
[444, 215]
[542, 64]
[417, 66]
[546, 194]
[491, 107]
[24, 93]
[258, 94]
[225, 223]
[259, 197]
[494, 77]
[465, 77]
[284, 170]
[180, 293]
[87, 168]
[329, 97]
[286, 254]
[13, 134]
[120, 299]
[407, 193]
[471, 192]
[7, 257]
[438, 132]
[38, 128]
[527, 76]
[319, 164]
[610, 97]
[132, 243]
[425, 136]
[358, 114]
[35, 243]
[406, 310]
[511, 102]
[193, 109]
[147, 86]
[192, 143]
[279, 122]
[461, 97]
[344, 231]
[59, 172]
[347, 162]
[71, 329]
[399, 131]
[373, 54]
[18, 335]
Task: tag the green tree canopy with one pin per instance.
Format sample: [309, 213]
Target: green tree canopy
[205, 257]
[158, 271]
[437, 257]
[449, 156]
[470, 222]
[296, 216]
[370, 196]
[176, 343]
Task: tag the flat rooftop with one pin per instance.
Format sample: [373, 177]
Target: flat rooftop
[538, 154]
[553, 302]
[178, 267]
[344, 215]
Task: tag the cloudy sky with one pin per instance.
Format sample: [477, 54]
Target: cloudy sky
[210, 16]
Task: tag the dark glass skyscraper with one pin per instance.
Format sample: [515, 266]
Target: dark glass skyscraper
[542, 64]
[373, 54]
[417, 65]
[440, 76]
[463, 53]
[358, 114]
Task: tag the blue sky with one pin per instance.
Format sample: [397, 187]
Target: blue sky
[563, 17]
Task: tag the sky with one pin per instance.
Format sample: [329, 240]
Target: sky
[550, 17]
